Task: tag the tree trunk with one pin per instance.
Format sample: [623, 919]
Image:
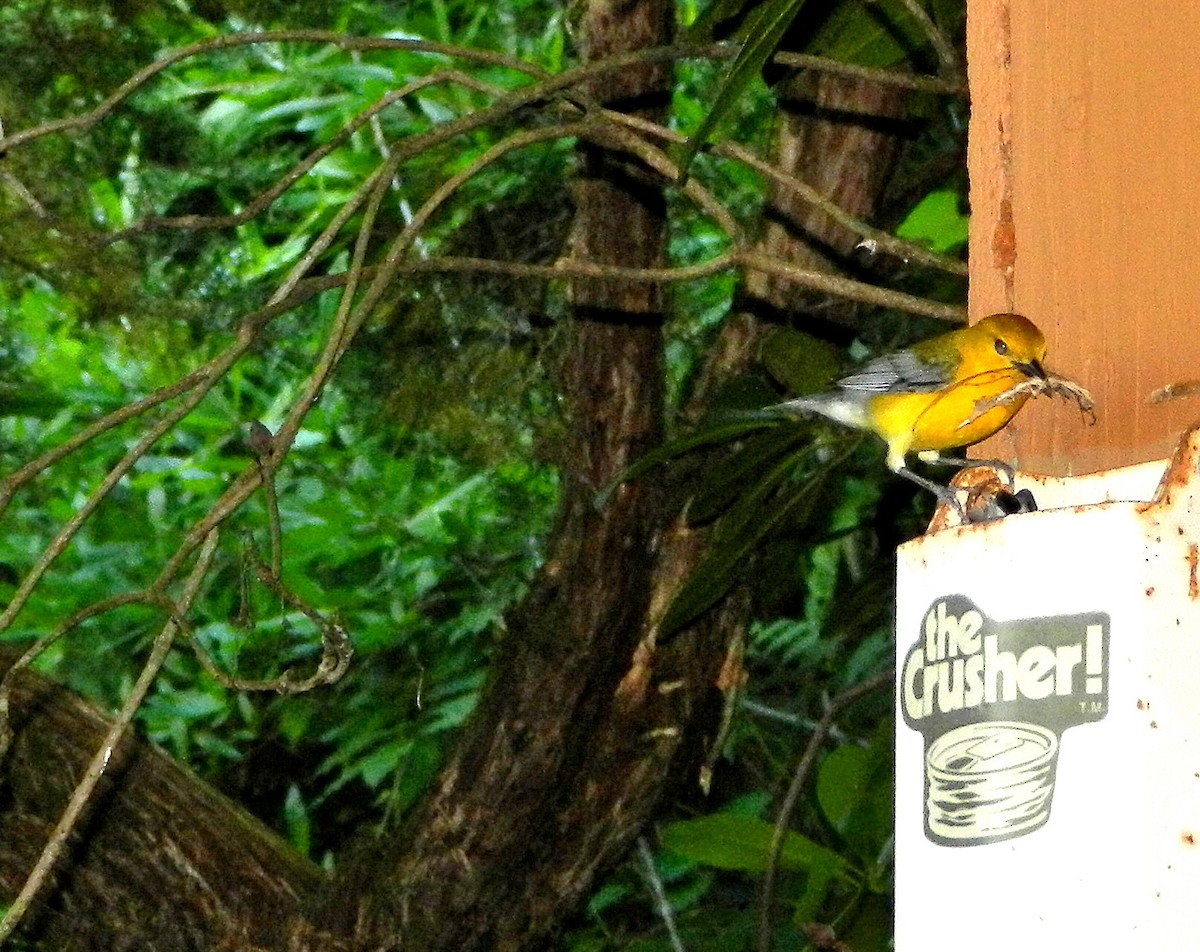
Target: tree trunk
[840, 136]
[162, 862]
[556, 775]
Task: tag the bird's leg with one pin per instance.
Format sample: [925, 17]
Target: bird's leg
[944, 493]
[1006, 502]
[999, 465]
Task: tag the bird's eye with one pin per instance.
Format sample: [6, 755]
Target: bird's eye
[1001, 347]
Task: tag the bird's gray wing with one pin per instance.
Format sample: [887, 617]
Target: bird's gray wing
[901, 372]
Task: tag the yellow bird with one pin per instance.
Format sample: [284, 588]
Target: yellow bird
[934, 396]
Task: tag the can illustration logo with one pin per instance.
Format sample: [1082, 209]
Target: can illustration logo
[992, 700]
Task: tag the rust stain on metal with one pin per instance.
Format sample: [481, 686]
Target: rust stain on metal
[1188, 838]
[1193, 558]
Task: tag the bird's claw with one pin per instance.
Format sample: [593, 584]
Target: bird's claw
[992, 506]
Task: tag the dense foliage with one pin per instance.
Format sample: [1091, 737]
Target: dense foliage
[417, 498]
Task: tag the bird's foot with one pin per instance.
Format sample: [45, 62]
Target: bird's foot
[983, 504]
[999, 465]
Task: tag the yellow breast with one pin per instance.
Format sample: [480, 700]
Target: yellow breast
[943, 420]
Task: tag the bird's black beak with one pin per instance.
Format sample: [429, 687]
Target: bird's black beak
[1032, 368]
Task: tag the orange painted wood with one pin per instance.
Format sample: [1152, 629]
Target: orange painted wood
[1084, 157]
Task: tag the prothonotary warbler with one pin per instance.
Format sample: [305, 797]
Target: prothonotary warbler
[934, 396]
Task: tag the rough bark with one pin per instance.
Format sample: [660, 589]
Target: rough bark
[840, 136]
[162, 861]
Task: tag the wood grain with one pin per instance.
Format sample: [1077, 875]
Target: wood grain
[1084, 130]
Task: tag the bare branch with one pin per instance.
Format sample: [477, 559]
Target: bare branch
[853, 290]
[570, 78]
[210, 372]
[265, 199]
[881, 241]
[199, 389]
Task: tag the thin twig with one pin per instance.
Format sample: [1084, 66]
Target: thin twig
[799, 777]
[937, 39]
[853, 290]
[574, 269]
[209, 371]
[545, 89]
[266, 198]
[262, 442]
[662, 904]
[612, 136]
[584, 270]
[336, 650]
[30, 654]
[85, 121]
[880, 77]
[340, 334]
[847, 288]
[325, 239]
[578, 76]
[879, 241]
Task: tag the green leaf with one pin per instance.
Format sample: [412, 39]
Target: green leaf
[854, 790]
[768, 503]
[736, 536]
[713, 16]
[799, 361]
[383, 761]
[936, 222]
[297, 820]
[753, 469]
[27, 399]
[190, 705]
[610, 894]
[108, 207]
[721, 430]
[816, 888]
[728, 841]
[764, 28]
[881, 34]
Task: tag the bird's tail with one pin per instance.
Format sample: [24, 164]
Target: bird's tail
[836, 406]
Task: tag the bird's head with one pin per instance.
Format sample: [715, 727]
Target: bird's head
[1014, 341]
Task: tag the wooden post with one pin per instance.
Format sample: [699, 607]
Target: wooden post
[1084, 160]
